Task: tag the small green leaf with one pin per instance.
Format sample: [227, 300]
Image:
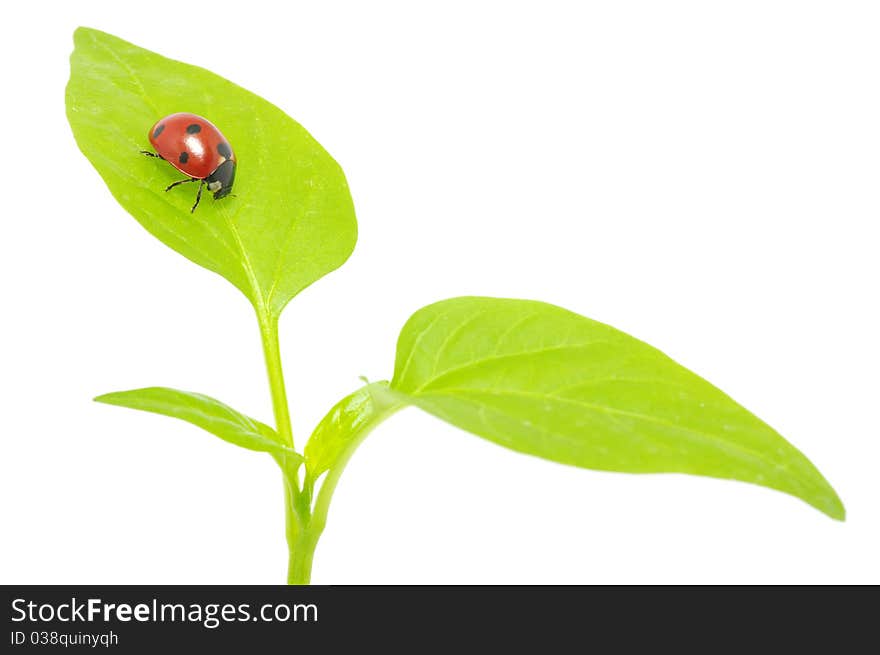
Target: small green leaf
[346, 425]
[542, 380]
[291, 220]
[336, 438]
[205, 412]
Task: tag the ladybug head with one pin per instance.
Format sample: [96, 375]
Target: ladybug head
[220, 181]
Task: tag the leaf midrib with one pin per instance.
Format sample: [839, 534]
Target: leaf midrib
[257, 297]
[175, 411]
[494, 358]
[755, 455]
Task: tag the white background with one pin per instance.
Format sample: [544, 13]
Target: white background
[701, 175]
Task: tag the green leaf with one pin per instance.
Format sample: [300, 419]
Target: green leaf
[346, 425]
[545, 381]
[291, 220]
[205, 412]
[336, 438]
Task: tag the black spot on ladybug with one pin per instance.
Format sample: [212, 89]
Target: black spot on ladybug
[195, 128]
[158, 131]
[184, 157]
[224, 150]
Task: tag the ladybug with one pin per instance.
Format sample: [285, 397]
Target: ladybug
[195, 147]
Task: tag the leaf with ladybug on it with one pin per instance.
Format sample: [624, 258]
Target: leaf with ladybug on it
[290, 220]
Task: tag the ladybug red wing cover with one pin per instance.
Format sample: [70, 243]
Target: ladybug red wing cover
[190, 143]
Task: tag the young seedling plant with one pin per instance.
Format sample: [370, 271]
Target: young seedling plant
[526, 375]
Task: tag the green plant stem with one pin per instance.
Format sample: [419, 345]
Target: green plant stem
[303, 533]
[297, 509]
[299, 565]
[304, 543]
[303, 526]
[272, 353]
[299, 571]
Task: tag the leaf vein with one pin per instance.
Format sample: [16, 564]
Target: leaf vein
[128, 69]
[709, 436]
[494, 358]
[416, 343]
[455, 332]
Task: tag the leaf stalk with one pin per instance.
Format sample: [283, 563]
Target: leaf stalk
[272, 353]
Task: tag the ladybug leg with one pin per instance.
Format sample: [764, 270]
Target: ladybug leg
[151, 154]
[174, 184]
[198, 195]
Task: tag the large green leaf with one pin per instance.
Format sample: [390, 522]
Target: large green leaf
[207, 413]
[291, 220]
[545, 381]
